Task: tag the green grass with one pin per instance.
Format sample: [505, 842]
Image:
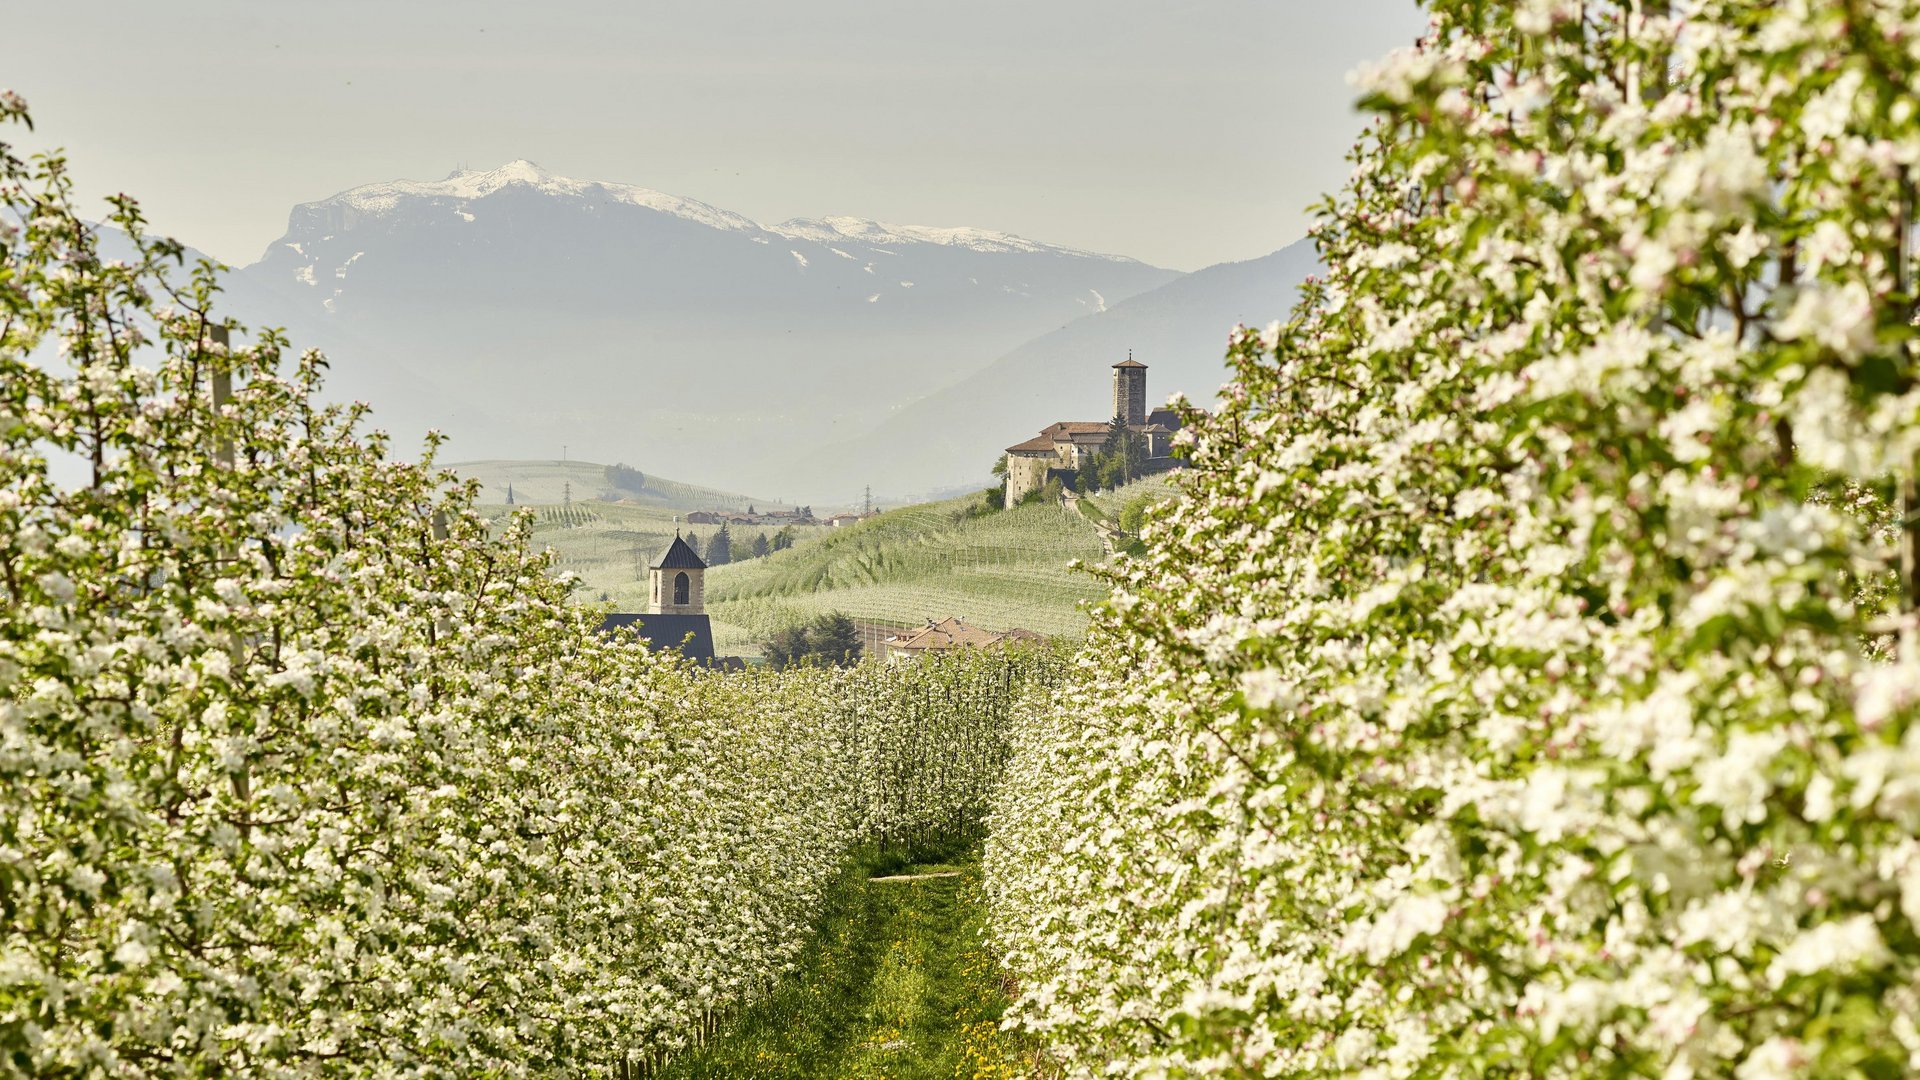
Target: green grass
[996, 571]
[895, 984]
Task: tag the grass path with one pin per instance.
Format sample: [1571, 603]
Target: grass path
[896, 984]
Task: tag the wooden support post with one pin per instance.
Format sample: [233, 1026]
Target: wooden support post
[1910, 483]
[1909, 562]
[221, 378]
[222, 392]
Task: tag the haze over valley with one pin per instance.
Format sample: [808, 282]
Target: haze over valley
[521, 312]
[850, 246]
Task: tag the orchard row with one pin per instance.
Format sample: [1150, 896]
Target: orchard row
[305, 773]
[1526, 684]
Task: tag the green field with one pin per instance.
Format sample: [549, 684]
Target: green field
[996, 570]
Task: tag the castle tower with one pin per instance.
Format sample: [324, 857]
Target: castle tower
[1130, 391]
[677, 580]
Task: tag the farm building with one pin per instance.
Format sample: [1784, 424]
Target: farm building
[950, 633]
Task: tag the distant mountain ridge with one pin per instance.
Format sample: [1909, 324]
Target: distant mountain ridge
[950, 439]
[519, 311]
[466, 185]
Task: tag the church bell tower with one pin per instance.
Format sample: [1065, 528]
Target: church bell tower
[677, 585]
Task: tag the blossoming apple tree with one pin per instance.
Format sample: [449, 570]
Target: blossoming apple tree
[1526, 682]
[303, 772]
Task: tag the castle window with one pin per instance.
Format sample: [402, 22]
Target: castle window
[680, 586]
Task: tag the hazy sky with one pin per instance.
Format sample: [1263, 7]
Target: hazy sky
[1183, 134]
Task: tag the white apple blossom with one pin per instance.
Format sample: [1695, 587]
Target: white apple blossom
[1570, 741]
[1839, 317]
[307, 767]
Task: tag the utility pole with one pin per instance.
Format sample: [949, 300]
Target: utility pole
[868, 512]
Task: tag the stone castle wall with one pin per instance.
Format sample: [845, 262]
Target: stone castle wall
[1027, 473]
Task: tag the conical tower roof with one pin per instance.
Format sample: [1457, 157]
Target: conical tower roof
[680, 556]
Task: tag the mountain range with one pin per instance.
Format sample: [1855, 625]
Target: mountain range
[520, 312]
[1180, 330]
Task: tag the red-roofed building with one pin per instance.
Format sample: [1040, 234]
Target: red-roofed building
[951, 633]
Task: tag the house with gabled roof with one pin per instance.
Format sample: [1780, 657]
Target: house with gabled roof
[950, 633]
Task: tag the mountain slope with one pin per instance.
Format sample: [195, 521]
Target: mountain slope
[519, 311]
[538, 482]
[950, 438]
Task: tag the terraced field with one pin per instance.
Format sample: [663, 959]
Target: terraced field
[996, 571]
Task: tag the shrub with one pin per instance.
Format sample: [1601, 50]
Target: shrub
[832, 640]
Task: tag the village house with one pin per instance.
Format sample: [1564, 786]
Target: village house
[799, 515]
[1063, 447]
[950, 633]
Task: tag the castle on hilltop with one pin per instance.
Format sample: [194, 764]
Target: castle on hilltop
[1064, 446]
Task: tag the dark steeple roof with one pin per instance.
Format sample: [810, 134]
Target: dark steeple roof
[1129, 362]
[680, 556]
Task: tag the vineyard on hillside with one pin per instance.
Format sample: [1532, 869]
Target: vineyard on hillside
[1000, 570]
[996, 570]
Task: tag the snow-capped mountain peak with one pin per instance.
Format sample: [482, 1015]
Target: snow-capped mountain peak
[464, 186]
[830, 230]
[527, 309]
[468, 185]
